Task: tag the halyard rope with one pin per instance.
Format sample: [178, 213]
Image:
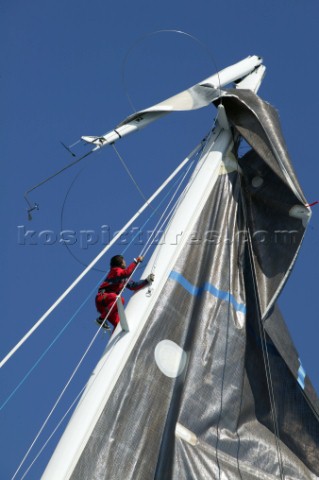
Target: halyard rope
[263, 342]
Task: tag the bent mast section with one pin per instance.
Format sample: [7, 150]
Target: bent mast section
[197, 96]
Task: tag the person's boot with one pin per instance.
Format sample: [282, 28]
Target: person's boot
[103, 322]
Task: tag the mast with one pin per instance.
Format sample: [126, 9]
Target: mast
[119, 347]
[114, 358]
[199, 382]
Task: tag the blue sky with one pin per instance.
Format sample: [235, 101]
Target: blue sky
[72, 68]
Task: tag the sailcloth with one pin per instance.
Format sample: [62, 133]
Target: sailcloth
[214, 387]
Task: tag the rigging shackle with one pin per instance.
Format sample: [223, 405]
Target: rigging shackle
[150, 288]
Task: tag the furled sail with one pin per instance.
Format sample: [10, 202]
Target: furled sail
[213, 386]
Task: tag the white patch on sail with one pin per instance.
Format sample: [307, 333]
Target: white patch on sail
[185, 434]
[240, 319]
[170, 358]
[257, 182]
[229, 164]
[304, 213]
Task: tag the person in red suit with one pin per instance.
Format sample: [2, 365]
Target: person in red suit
[113, 284]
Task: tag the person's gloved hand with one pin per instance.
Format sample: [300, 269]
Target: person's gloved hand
[150, 278]
[139, 259]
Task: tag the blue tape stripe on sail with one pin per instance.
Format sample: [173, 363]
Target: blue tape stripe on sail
[301, 376]
[207, 287]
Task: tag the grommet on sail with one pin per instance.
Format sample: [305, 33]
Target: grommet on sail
[207, 382]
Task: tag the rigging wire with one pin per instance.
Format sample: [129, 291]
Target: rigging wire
[225, 358]
[69, 190]
[61, 222]
[238, 196]
[95, 260]
[144, 250]
[84, 302]
[263, 339]
[168, 205]
[182, 195]
[187, 187]
[35, 206]
[82, 359]
[156, 32]
[266, 362]
[196, 152]
[235, 191]
[166, 222]
[68, 382]
[92, 341]
[52, 433]
[130, 174]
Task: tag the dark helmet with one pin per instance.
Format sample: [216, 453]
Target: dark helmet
[117, 261]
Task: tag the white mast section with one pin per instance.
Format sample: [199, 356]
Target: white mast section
[117, 352]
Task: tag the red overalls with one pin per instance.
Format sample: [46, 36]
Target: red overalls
[111, 287]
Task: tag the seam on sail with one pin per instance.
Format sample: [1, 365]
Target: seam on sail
[252, 471]
[207, 287]
[190, 437]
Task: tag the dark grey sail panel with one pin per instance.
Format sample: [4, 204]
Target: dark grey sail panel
[277, 330]
[258, 123]
[150, 399]
[236, 408]
[274, 202]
